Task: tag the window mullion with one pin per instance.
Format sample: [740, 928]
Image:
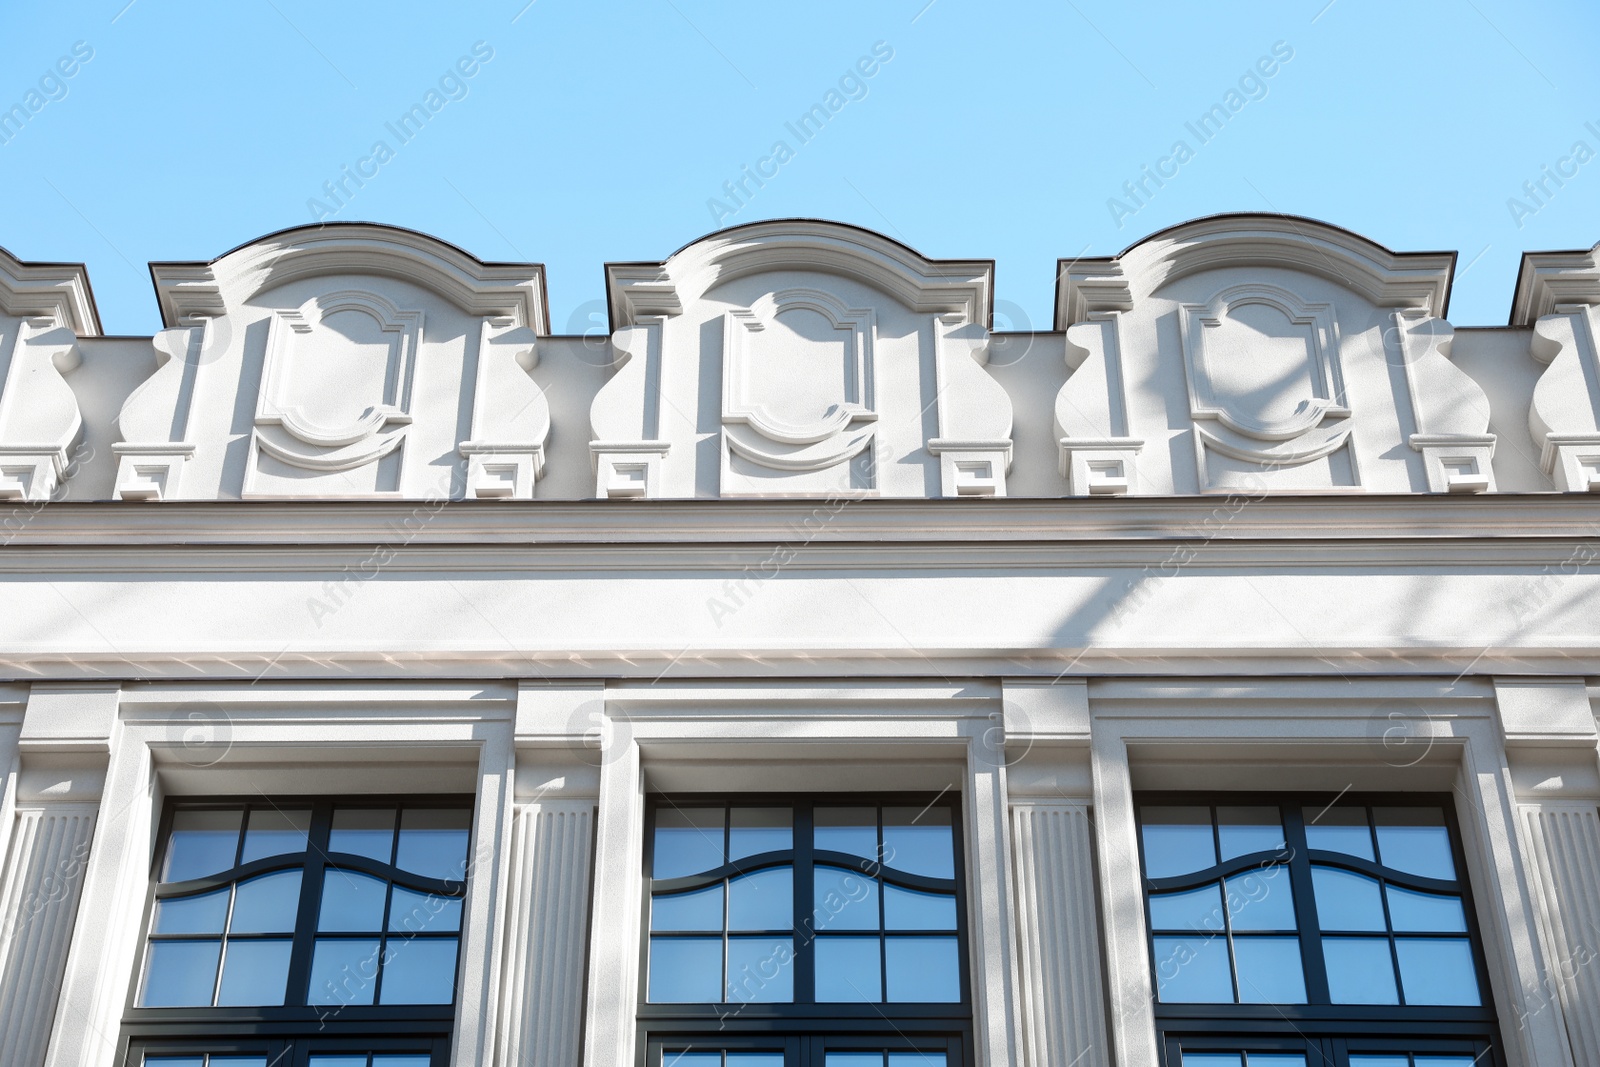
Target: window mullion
[305, 927]
[1305, 905]
[805, 905]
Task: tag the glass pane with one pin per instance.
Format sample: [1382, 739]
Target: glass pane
[760, 970]
[204, 914]
[845, 900]
[688, 841]
[1360, 1060]
[1241, 831]
[1193, 970]
[267, 905]
[1437, 971]
[419, 970]
[1269, 970]
[752, 831]
[1342, 830]
[415, 913]
[1445, 1061]
[755, 1059]
[202, 843]
[275, 833]
[343, 971]
[685, 970]
[1427, 913]
[1176, 841]
[254, 973]
[1347, 901]
[849, 970]
[180, 974]
[433, 842]
[238, 1061]
[1276, 1059]
[909, 909]
[691, 1059]
[1261, 900]
[1414, 840]
[1359, 970]
[175, 1061]
[1213, 1059]
[337, 1059]
[854, 1059]
[762, 901]
[853, 831]
[917, 1059]
[698, 909]
[351, 902]
[1196, 910]
[923, 970]
[365, 832]
[919, 841]
[403, 1059]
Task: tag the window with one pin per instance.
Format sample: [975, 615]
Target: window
[1295, 933]
[301, 933]
[827, 932]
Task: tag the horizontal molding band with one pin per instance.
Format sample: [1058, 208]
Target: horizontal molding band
[1574, 557]
[357, 665]
[598, 522]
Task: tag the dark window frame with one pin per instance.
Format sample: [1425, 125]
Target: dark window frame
[806, 1031]
[293, 1032]
[1327, 1033]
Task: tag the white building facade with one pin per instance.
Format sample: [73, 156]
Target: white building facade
[803, 675]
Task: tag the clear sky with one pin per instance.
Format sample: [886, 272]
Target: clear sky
[588, 132]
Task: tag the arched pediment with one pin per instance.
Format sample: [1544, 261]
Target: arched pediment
[1419, 280]
[944, 287]
[513, 291]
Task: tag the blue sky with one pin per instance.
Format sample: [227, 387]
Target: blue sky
[597, 132]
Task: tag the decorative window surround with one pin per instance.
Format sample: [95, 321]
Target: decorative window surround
[671, 737]
[187, 740]
[1289, 736]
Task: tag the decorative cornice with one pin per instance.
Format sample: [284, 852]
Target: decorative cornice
[57, 290]
[1547, 279]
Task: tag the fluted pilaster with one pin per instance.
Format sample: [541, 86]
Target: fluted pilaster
[1565, 841]
[39, 889]
[1058, 935]
[552, 854]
